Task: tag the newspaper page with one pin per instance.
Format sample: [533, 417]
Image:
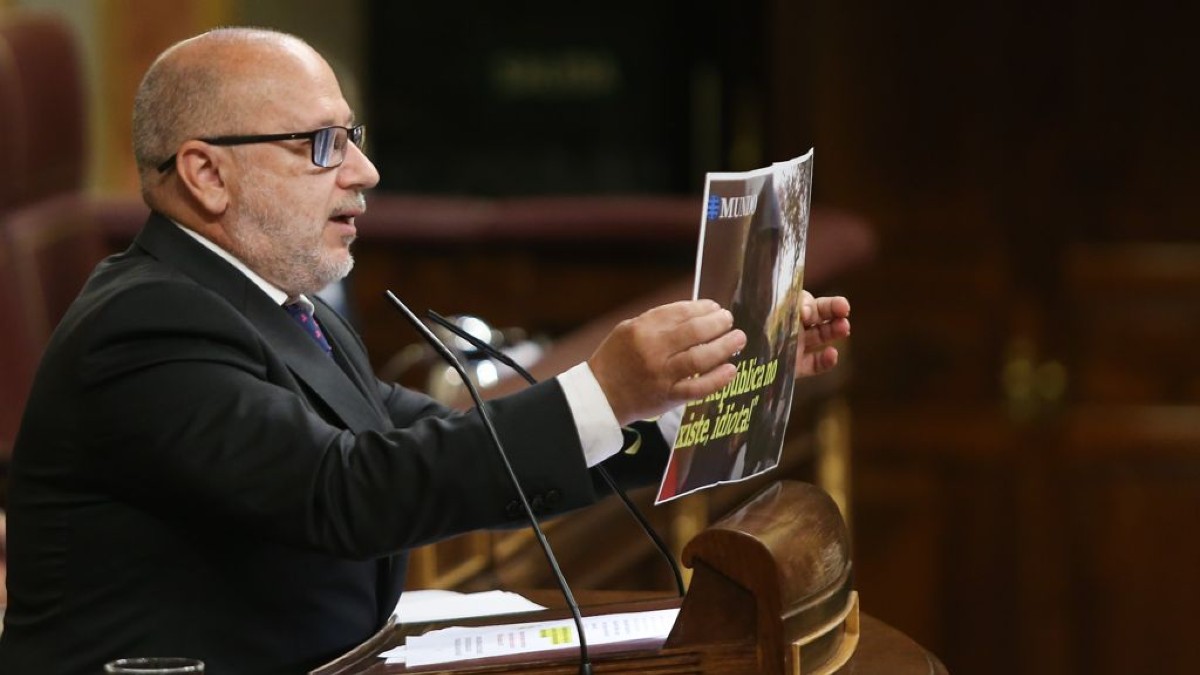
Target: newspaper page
[751, 260]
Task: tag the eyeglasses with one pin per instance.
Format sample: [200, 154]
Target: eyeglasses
[328, 144]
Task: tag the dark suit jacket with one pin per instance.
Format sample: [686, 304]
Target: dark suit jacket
[194, 477]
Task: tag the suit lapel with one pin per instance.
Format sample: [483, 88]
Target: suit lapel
[351, 402]
[313, 366]
[349, 354]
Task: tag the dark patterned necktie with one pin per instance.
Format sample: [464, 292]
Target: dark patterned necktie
[305, 318]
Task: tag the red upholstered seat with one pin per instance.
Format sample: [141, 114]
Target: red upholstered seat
[42, 95]
[12, 137]
[55, 244]
[48, 237]
[18, 357]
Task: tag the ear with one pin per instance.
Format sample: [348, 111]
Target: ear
[200, 170]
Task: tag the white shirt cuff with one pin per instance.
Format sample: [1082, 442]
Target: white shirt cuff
[599, 432]
[668, 424]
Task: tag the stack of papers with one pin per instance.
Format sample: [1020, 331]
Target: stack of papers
[462, 643]
[433, 605]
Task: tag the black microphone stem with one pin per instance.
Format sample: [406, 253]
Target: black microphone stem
[585, 664]
[603, 472]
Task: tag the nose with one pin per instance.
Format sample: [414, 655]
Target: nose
[357, 172]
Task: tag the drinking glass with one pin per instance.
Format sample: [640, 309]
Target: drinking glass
[155, 665]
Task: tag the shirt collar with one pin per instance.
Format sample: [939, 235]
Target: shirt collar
[277, 295]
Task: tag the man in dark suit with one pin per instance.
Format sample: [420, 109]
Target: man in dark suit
[207, 466]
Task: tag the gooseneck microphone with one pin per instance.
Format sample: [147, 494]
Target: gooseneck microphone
[603, 472]
[585, 664]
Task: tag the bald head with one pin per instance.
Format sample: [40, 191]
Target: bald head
[210, 85]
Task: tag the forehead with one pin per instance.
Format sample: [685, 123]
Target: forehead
[293, 88]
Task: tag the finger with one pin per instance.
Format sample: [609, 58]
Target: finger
[680, 311]
[696, 330]
[825, 333]
[706, 356]
[693, 388]
[823, 309]
[816, 362]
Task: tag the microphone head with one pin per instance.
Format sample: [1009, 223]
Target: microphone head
[473, 326]
[486, 352]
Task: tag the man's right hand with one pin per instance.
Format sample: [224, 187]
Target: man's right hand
[665, 357]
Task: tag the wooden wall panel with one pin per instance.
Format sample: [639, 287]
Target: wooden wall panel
[1016, 158]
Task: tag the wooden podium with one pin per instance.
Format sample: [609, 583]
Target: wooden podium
[771, 593]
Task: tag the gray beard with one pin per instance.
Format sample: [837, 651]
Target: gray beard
[268, 245]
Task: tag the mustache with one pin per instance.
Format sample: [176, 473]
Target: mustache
[358, 202]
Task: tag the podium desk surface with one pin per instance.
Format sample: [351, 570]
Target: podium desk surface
[885, 650]
[882, 649]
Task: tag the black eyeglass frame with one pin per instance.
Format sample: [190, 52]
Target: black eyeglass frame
[354, 134]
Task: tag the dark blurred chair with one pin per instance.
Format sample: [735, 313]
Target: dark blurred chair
[12, 138]
[48, 223]
[55, 244]
[49, 117]
[49, 240]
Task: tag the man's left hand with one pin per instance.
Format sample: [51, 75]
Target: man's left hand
[825, 321]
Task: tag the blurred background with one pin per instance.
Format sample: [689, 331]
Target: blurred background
[1005, 190]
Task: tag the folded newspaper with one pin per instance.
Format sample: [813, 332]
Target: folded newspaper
[751, 260]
